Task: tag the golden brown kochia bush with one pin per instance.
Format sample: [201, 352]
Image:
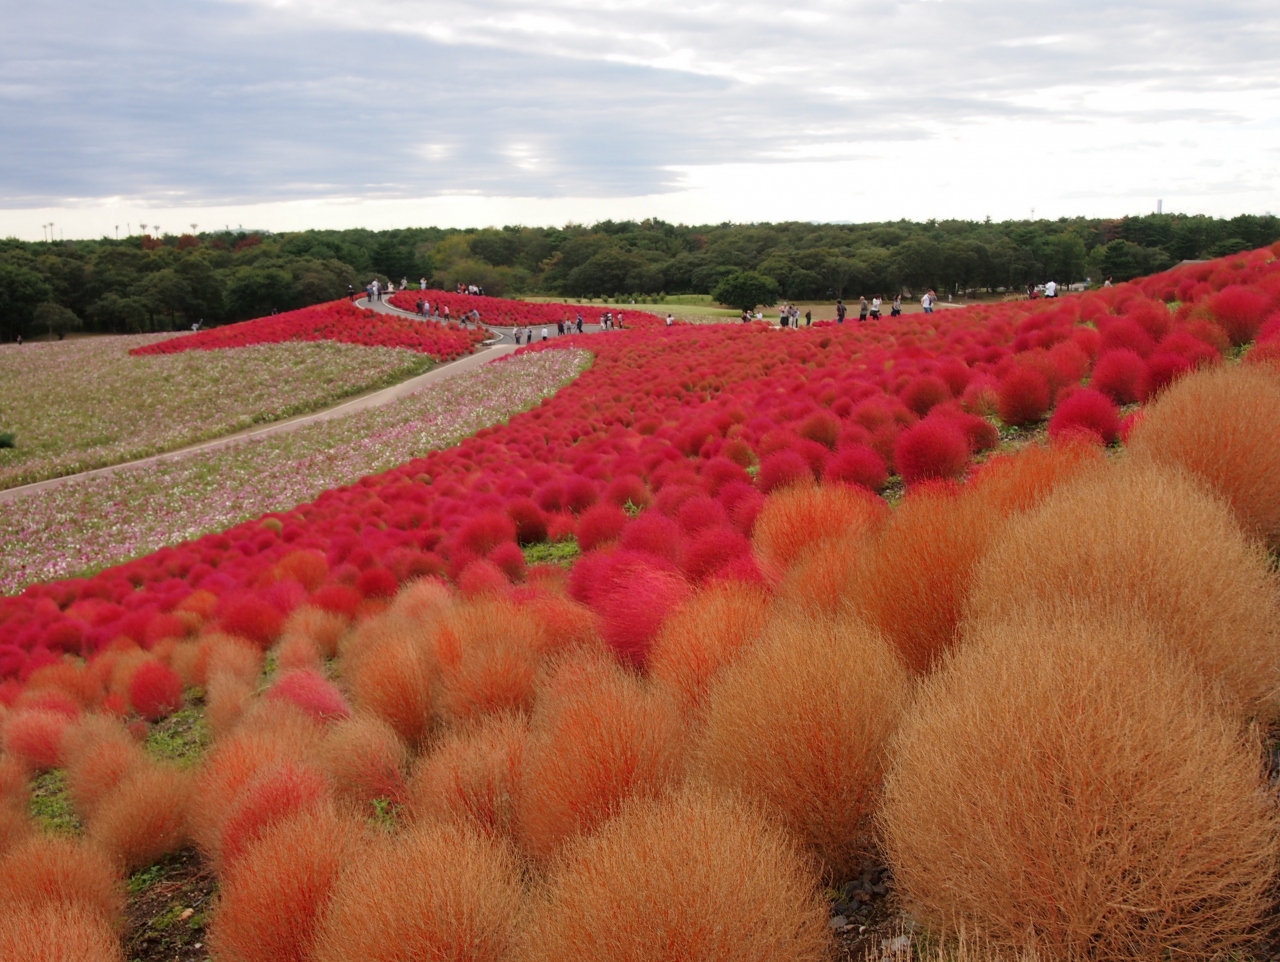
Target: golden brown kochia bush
[704, 635]
[796, 518]
[920, 568]
[598, 735]
[144, 817]
[322, 628]
[365, 760]
[100, 754]
[225, 700]
[15, 825]
[390, 670]
[1075, 791]
[1222, 424]
[235, 763]
[801, 722]
[695, 877]
[471, 774]
[1143, 540]
[57, 933]
[271, 899]
[49, 870]
[488, 652]
[440, 891]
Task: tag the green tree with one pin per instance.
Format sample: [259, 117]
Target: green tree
[256, 291]
[747, 290]
[56, 319]
[117, 314]
[21, 291]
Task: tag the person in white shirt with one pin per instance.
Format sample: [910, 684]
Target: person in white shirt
[875, 307]
[544, 333]
[926, 302]
[422, 283]
[1051, 289]
[670, 320]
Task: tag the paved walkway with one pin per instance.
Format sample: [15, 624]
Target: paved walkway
[371, 399]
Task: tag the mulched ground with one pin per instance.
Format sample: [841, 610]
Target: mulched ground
[167, 908]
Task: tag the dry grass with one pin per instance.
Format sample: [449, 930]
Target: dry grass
[1222, 424]
[706, 634]
[1144, 540]
[386, 908]
[1073, 790]
[694, 877]
[800, 721]
[598, 735]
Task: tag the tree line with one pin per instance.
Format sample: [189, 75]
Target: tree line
[145, 283]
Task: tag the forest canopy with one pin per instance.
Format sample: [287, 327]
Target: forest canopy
[145, 283]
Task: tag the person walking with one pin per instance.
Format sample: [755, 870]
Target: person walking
[579, 322]
[863, 308]
[544, 333]
[517, 335]
[875, 307]
[896, 309]
[841, 310]
[1051, 289]
[351, 293]
[926, 302]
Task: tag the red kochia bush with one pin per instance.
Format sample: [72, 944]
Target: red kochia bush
[934, 448]
[1023, 396]
[1121, 375]
[253, 618]
[634, 605]
[36, 737]
[783, 469]
[1087, 413]
[924, 393]
[271, 798]
[857, 464]
[1240, 311]
[312, 693]
[529, 519]
[155, 691]
[599, 524]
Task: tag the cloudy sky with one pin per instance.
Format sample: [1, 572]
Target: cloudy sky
[284, 114]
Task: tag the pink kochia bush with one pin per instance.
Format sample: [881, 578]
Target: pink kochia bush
[1088, 413]
[660, 456]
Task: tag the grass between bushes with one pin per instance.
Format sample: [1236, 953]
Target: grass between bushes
[75, 405]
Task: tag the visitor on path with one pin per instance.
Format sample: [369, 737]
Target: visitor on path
[544, 333]
[1107, 282]
[579, 322]
[528, 335]
[841, 310]
[1051, 289]
[896, 310]
[422, 283]
[619, 320]
[351, 293]
[517, 333]
[560, 326]
[670, 320]
[445, 315]
[784, 315]
[875, 307]
[808, 318]
[863, 308]
[926, 302]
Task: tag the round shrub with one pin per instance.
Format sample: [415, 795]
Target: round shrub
[858, 464]
[934, 448]
[783, 469]
[1240, 311]
[795, 519]
[600, 524]
[924, 392]
[1121, 375]
[1222, 425]
[718, 883]
[1023, 397]
[789, 724]
[1023, 801]
[1086, 413]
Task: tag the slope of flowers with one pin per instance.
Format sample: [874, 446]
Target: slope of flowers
[698, 425]
[500, 312]
[334, 321]
[117, 407]
[93, 523]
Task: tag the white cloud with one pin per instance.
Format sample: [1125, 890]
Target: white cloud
[326, 111]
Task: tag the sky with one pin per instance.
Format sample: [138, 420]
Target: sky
[290, 114]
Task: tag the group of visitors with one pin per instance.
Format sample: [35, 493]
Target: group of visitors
[474, 289]
[788, 316]
[872, 309]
